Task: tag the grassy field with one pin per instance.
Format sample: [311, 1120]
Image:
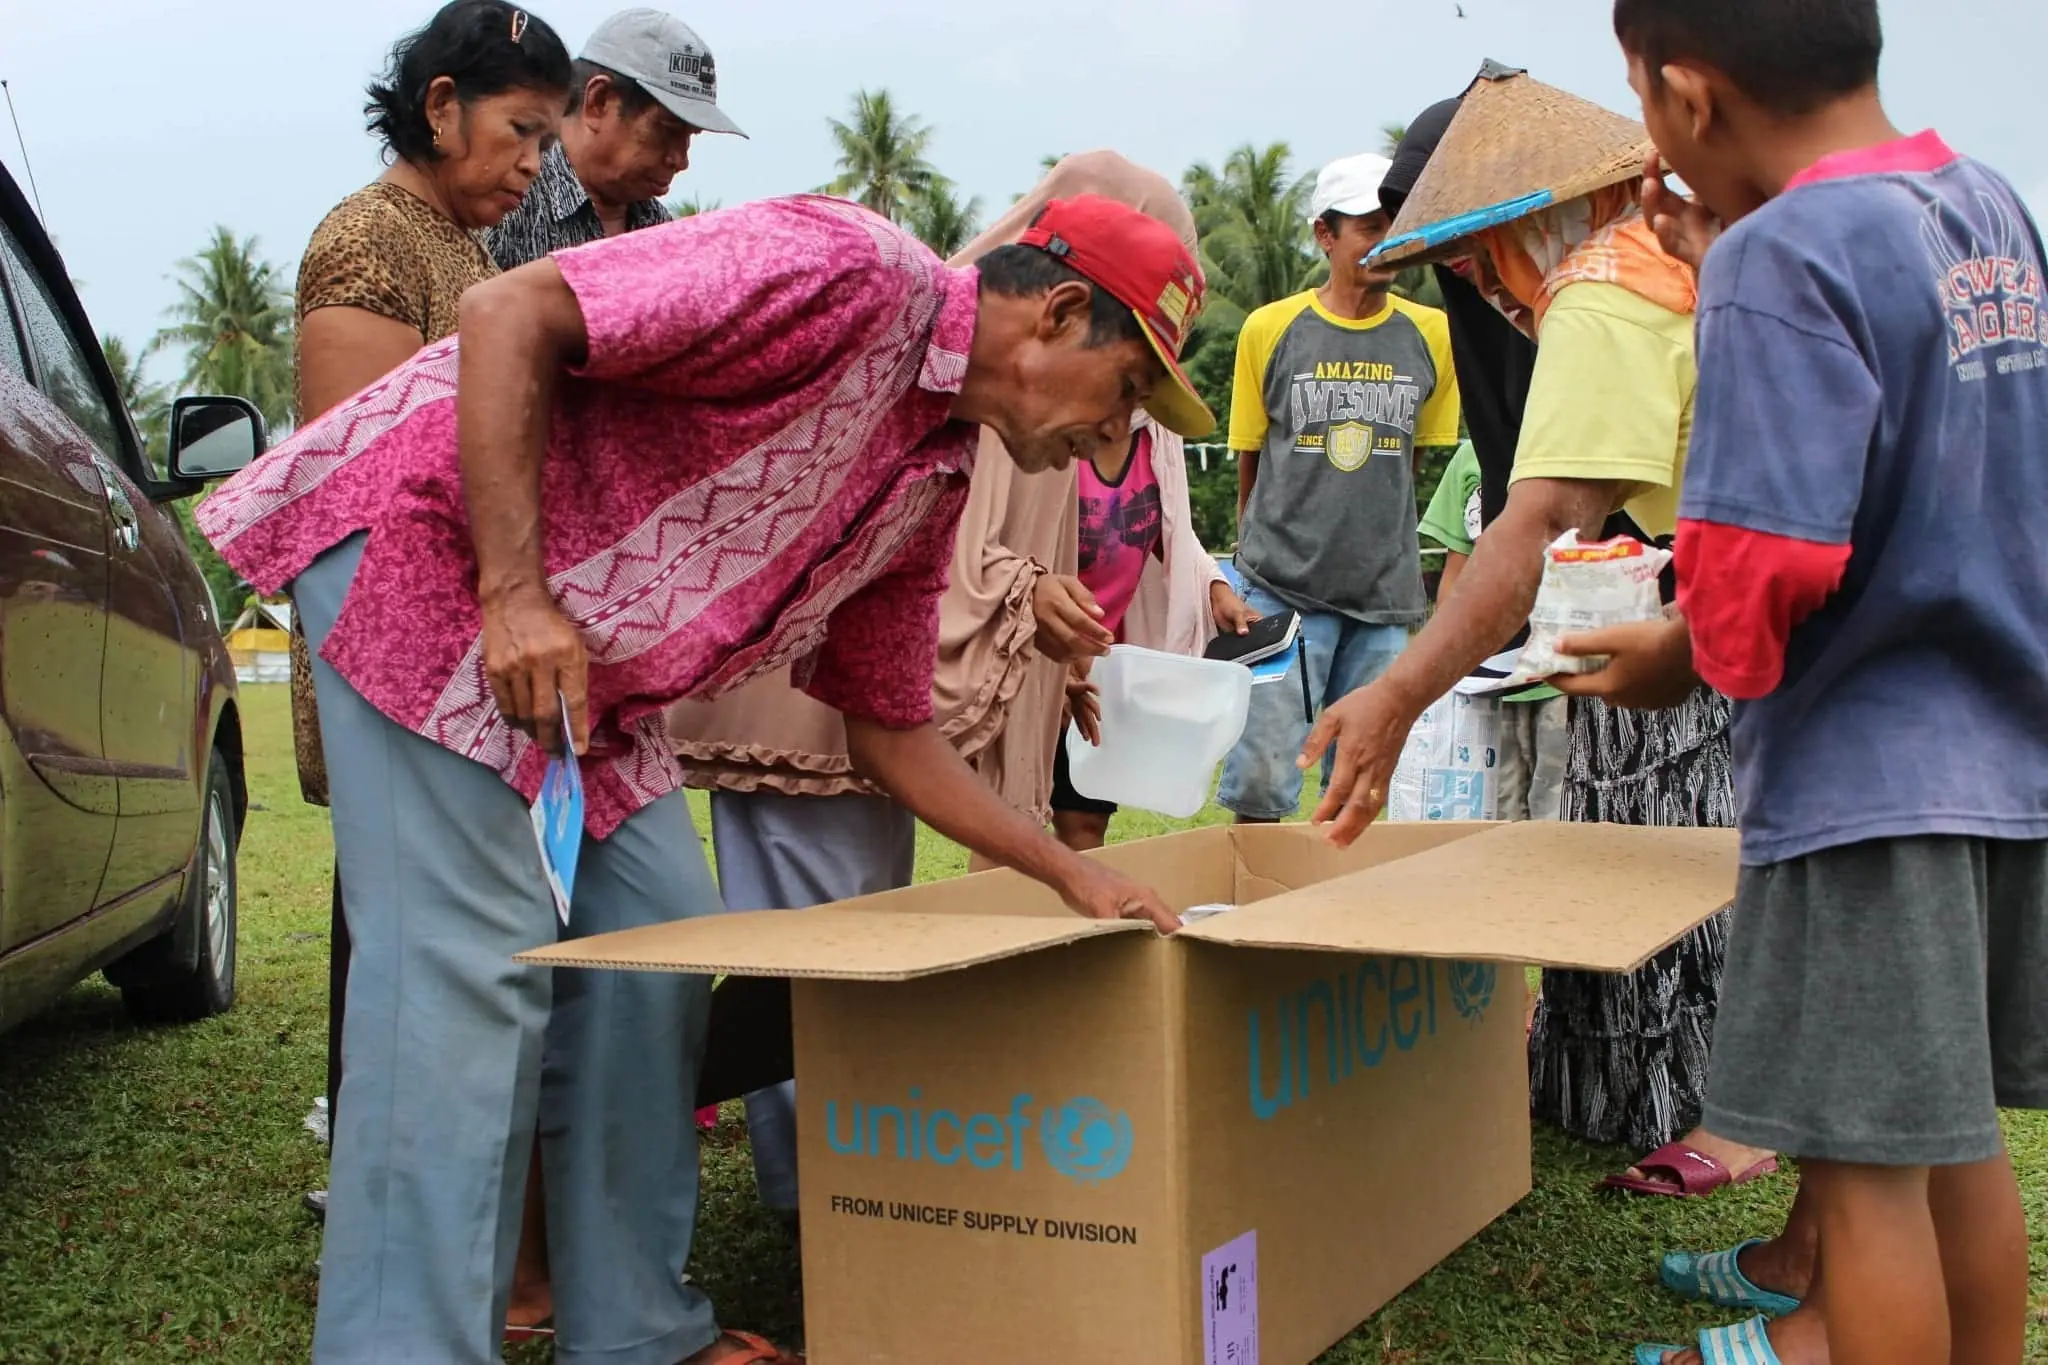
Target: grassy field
[150, 1179]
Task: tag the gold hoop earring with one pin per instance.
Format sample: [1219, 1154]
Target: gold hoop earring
[437, 135]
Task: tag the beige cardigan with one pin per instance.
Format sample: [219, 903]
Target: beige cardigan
[993, 696]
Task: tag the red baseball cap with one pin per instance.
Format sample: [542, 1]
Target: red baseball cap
[1145, 266]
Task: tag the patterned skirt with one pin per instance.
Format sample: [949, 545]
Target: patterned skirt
[1623, 1059]
[306, 721]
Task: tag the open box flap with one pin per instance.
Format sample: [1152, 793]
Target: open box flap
[1603, 898]
[871, 945]
[1271, 860]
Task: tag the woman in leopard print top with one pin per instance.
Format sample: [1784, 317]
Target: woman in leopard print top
[465, 111]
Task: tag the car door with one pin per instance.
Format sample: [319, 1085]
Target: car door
[150, 675]
[147, 697]
[58, 798]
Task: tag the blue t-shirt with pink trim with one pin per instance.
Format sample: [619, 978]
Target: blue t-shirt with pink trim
[1864, 523]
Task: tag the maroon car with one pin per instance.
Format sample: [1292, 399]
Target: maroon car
[121, 789]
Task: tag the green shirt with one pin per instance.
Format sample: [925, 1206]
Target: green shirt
[1452, 521]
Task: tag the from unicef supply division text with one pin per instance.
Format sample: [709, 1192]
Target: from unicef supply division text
[986, 1221]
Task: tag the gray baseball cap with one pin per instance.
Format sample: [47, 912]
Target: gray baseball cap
[668, 60]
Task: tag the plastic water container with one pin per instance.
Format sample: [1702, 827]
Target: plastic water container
[1167, 721]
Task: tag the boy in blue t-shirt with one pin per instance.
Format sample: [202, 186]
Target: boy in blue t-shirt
[1863, 565]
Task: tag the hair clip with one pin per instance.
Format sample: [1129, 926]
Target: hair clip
[518, 24]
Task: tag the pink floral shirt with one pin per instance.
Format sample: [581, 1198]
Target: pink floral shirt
[755, 465]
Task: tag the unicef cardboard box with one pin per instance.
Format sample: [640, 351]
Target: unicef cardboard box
[1025, 1137]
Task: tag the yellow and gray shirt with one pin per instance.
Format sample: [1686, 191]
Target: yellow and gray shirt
[1335, 408]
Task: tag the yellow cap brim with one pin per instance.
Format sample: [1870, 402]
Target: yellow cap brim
[1175, 404]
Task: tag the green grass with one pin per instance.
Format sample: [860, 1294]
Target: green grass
[150, 1178]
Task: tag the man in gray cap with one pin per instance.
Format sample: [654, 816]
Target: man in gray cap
[645, 86]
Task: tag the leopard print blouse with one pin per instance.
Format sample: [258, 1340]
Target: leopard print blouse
[386, 251]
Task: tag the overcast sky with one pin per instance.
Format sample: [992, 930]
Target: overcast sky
[149, 121]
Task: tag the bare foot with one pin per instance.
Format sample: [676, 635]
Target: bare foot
[533, 1290]
[1799, 1338]
[1781, 1266]
[1733, 1155]
[533, 1296]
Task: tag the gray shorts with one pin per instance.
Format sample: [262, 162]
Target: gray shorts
[1884, 1000]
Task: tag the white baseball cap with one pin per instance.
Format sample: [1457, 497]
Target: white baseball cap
[666, 58]
[1350, 185]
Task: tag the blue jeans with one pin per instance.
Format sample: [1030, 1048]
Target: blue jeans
[1260, 779]
[452, 1051]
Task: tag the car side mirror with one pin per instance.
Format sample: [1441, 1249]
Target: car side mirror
[214, 437]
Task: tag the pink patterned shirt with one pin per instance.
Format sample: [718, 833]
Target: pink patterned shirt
[755, 465]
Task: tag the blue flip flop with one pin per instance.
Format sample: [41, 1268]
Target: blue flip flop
[1717, 1278]
[1746, 1343]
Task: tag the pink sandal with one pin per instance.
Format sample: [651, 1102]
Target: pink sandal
[1692, 1174]
[758, 1351]
[516, 1332]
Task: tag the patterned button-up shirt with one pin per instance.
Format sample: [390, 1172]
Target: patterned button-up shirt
[755, 465]
[557, 214]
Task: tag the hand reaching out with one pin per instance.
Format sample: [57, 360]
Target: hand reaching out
[1094, 891]
[1368, 730]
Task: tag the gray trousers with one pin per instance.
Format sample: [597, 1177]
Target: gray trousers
[452, 1051]
[778, 852]
[1535, 744]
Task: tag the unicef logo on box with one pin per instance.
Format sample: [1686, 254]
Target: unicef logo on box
[1472, 985]
[1085, 1141]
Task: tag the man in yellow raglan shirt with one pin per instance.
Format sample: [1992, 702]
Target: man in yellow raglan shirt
[1337, 389]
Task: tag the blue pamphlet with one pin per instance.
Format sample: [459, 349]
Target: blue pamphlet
[1274, 669]
[558, 818]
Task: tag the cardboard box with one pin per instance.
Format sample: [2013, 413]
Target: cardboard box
[1026, 1137]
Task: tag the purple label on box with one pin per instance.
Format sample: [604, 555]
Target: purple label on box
[1230, 1303]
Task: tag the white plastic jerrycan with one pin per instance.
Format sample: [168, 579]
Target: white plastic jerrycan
[1167, 721]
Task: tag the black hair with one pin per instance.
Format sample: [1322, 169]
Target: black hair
[632, 96]
[1023, 272]
[486, 47]
[1418, 144]
[1790, 56]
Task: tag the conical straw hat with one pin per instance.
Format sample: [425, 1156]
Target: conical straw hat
[1516, 147]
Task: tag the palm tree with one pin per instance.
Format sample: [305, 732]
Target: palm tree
[939, 220]
[1393, 135]
[690, 207]
[881, 155]
[1257, 245]
[148, 403]
[233, 320]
